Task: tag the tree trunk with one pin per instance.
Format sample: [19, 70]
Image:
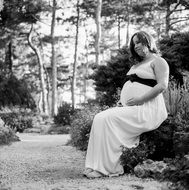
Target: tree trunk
[98, 31]
[41, 73]
[73, 84]
[167, 20]
[8, 59]
[48, 87]
[86, 66]
[119, 30]
[128, 23]
[1, 5]
[53, 63]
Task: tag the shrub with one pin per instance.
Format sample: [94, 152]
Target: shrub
[155, 145]
[162, 140]
[132, 156]
[177, 100]
[81, 126]
[63, 116]
[15, 92]
[17, 119]
[175, 50]
[177, 172]
[7, 135]
[108, 78]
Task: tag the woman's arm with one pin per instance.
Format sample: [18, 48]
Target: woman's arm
[161, 70]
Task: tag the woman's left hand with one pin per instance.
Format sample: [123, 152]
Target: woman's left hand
[135, 101]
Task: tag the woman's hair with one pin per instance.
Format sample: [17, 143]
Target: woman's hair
[146, 40]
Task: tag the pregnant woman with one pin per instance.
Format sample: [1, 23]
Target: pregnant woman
[143, 109]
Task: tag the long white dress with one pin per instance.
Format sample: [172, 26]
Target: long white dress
[123, 125]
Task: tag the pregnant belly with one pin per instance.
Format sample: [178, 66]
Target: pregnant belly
[131, 90]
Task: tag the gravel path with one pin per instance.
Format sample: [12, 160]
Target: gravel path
[44, 162]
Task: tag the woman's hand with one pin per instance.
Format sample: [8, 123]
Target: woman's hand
[135, 101]
[119, 104]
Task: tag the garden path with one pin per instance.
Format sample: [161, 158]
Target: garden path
[45, 162]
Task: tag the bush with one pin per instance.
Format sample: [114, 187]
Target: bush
[81, 126]
[14, 92]
[177, 100]
[175, 51]
[177, 172]
[7, 135]
[132, 156]
[110, 77]
[155, 145]
[63, 116]
[162, 140]
[17, 119]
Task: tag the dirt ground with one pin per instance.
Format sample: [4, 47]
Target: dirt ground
[44, 162]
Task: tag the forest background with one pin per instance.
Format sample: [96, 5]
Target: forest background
[52, 47]
[61, 62]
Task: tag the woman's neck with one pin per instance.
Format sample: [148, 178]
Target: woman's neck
[148, 56]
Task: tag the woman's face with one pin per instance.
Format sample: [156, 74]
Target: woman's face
[139, 48]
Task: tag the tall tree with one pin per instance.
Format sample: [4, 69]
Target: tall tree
[98, 30]
[1, 5]
[14, 19]
[113, 12]
[45, 108]
[86, 65]
[53, 62]
[170, 8]
[129, 5]
[73, 84]
[175, 50]
[163, 15]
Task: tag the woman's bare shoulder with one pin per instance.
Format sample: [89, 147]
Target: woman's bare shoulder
[159, 61]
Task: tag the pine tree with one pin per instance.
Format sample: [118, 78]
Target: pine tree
[175, 50]
[111, 77]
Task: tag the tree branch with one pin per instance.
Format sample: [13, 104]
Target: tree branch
[173, 10]
[180, 18]
[40, 20]
[177, 22]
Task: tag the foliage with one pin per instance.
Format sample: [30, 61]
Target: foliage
[15, 18]
[177, 172]
[108, 78]
[177, 102]
[151, 14]
[173, 97]
[174, 171]
[162, 140]
[62, 120]
[81, 125]
[132, 156]
[183, 112]
[109, 8]
[158, 145]
[19, 11]
[15, 92]
[175, 50]
[63, 116]
[7, 135]
[17, 119]
[155, 145]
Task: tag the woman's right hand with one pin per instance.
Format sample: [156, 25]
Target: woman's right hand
[119, 104]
